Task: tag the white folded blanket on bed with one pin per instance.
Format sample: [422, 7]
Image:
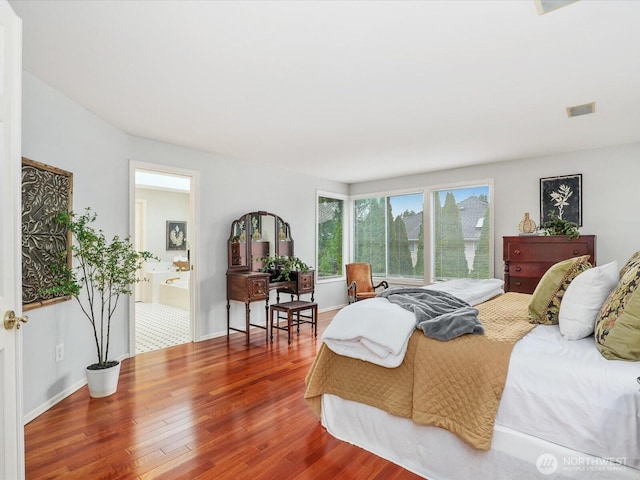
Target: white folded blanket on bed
[470, 290]
[374, 330]
[378, 331]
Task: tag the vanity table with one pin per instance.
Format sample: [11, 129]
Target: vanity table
[253, 236]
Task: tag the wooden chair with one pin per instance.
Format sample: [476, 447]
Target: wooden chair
[291, 308]
[360, 282]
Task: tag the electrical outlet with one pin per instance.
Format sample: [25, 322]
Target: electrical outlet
[59, 352]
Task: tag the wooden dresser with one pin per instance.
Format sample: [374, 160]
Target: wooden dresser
[527, 258]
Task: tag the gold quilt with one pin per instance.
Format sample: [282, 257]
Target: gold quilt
[455, 385]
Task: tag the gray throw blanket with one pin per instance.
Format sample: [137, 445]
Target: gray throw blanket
[439, 315]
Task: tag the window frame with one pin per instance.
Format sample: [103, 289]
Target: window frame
[430, 227]
[386, 194]
[346, 222]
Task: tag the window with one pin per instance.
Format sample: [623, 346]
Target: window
[461, 240]
[388, 235]
[330, 237]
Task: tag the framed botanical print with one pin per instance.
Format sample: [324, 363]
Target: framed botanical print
[561, 197]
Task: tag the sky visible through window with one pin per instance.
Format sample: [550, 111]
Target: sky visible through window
[461, 194]
[413, 201]
[402, 203]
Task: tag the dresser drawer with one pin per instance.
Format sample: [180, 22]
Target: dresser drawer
[247, 287]
[305, 282]
[522, 284]
[258, 288]
[527, 269]
[545, 252]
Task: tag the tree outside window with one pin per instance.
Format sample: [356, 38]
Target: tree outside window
[388, 235]
[461, 235]
[330, 237]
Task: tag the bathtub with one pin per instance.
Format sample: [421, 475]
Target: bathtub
[158, 274]
[175, 293]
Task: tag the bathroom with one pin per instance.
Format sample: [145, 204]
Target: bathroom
[162, 206]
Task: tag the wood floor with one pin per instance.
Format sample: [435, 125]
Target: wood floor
[216, 409]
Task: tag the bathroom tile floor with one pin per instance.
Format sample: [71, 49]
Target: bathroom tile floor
[160, 326]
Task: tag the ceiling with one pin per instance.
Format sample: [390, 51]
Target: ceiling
[347, 90]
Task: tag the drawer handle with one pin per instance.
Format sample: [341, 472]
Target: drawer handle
[517, 252]
[518, 269]
[575, 252]
[518, 284]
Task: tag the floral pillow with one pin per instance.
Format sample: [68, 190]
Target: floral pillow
[545, 301]
[617, 330]
[632, 262]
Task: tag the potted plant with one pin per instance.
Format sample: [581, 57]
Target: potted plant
[559, 226]
[281, 267]
[101, 273]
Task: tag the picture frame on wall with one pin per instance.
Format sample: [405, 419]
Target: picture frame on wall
[176, 235]
[561, 197]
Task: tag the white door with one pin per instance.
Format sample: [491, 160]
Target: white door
[12, 438]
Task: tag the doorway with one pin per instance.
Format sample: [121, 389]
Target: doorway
[163, 224]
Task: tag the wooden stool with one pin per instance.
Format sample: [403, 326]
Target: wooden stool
[296, 307]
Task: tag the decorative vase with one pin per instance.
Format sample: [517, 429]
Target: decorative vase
[526, 225]
[103, 382]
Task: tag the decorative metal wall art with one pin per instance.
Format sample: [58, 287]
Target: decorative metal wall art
[46, 190]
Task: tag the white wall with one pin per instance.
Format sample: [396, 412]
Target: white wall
[610, 194]
[59, 132]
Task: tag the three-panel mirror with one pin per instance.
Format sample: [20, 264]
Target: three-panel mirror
[256, 235]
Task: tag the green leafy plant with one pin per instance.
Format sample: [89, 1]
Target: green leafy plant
[102, 272]
[559, 226]
[281, 266]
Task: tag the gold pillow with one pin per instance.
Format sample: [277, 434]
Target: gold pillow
[545, 302]
[617, 329]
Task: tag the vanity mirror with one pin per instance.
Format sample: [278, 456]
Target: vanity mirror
[256, 235]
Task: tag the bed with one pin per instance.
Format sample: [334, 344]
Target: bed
[561, 410]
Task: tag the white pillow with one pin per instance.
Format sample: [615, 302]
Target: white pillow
[583, 299]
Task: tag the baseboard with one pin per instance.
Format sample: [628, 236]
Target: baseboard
[212, 335]
[329, 309]
[55, 400]
[58, 398]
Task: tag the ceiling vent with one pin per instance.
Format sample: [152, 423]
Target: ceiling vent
[578, 110]
[546, 6]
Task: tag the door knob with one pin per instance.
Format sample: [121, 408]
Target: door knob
[11, 321]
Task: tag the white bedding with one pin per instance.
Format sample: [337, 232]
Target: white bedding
[438, 454]
[470, 290]
[378, 331]
[374, 330]
[567, 393]
[562, 400]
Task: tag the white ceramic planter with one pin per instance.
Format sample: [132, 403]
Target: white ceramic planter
[103, 383]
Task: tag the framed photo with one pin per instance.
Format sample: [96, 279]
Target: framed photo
[562, 197]
[176, 235]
